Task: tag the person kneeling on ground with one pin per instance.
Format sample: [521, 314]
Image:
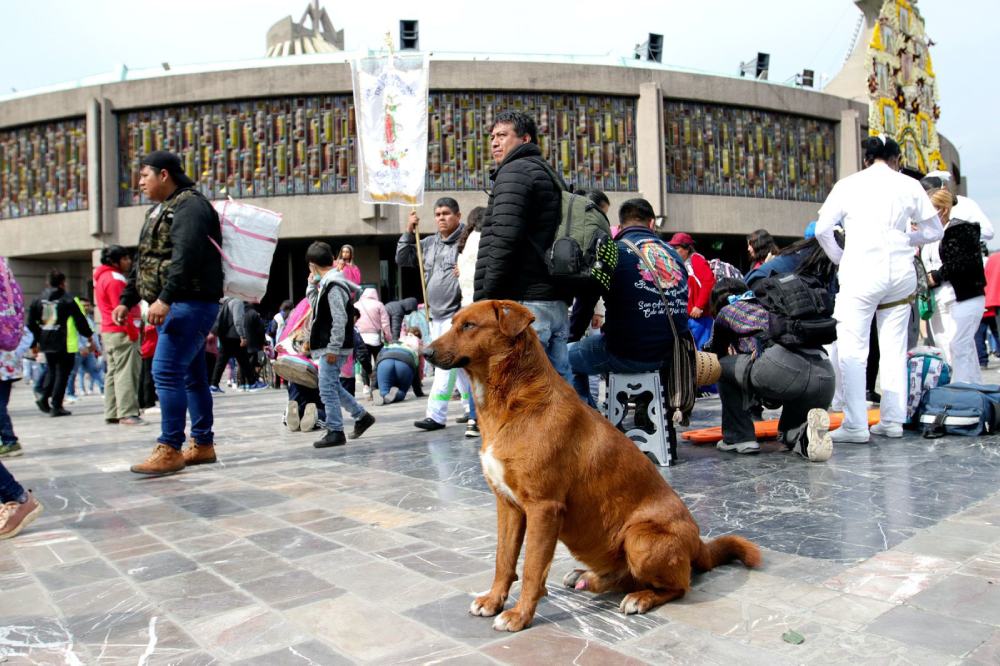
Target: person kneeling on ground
[800, 380]
[331, 341]
[395, 368]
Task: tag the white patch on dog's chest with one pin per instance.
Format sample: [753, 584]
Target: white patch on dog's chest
[478, 394]
[493, 469]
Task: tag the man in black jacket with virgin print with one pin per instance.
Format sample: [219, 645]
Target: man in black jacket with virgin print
[521, 220]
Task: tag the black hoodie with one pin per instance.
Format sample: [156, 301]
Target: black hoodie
[47, 319]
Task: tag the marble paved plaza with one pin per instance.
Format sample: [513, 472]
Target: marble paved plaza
[283, 554]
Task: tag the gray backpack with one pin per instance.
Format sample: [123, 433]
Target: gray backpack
[582, 249]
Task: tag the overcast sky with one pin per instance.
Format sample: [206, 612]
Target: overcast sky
[52, 41]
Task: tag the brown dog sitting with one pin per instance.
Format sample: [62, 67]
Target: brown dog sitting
[561, 471]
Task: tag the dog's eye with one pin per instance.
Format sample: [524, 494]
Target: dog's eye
[468, 326]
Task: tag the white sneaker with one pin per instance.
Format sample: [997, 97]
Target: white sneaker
[890, 430]
[391, 396]
[378, 398]
[845, 435]
[818, 445]
[292, 416]
[739, 447]
[309, 418]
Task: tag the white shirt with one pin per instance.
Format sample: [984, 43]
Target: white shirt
[968, 210]
[876, 207]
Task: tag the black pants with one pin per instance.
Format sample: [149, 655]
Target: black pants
[147, 388]
[871, 371]
[230, 348]
[797, 380]
[60, 365]
[367, 366]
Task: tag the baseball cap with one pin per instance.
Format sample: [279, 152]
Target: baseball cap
[162, 159]
[681, 238]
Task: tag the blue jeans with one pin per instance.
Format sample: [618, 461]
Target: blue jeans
[10, 490]
[590, 356]
[7, 435]
[83, 367]
[43, 369]
[392, 372]
[984, 332]
[180, 374]
[552, 326]
[335, 395]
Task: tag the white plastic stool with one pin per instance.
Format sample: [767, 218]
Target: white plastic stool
[660, 444]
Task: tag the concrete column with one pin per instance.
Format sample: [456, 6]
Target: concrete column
[109, 175]
[650, 153]
[94, 167]
[848, 144]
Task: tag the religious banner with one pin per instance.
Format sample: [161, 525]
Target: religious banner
[390, 102]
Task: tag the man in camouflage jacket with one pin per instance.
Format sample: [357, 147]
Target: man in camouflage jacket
[178, 271]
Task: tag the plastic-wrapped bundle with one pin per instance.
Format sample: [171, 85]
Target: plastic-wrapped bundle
[249, 236]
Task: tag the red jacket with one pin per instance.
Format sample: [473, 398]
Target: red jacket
[701, 279]
[108, 287]
[993, 280]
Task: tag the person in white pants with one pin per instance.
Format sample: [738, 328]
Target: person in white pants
[955, 271]
[444, 298]
[884, 215]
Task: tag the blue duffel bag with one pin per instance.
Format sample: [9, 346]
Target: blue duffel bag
[960, 409]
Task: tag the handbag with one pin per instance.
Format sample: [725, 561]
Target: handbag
[926, 305]
[679, 373]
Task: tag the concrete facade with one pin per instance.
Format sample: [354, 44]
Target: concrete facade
[76, 235]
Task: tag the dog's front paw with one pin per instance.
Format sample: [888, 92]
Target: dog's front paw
[637, 602]
[511, 620]
[486, 606]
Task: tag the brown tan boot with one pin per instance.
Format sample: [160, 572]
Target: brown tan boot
[199, 454]
[15, 516]
[164, 460]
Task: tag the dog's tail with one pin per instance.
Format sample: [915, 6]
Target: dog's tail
[726, 549]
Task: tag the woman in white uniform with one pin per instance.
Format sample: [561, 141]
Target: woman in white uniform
[884, 215]
[955, 271]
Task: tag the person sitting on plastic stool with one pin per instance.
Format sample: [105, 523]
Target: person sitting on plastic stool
[636, 336]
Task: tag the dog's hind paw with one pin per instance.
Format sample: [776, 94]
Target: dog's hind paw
[636, 602]
[510, 620]
[485, 606]
[574, 579]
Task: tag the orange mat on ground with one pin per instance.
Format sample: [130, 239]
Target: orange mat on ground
[764, 429]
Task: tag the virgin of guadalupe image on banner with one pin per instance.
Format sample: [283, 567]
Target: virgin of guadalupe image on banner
[390, 102]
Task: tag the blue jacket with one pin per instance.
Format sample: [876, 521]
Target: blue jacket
[636, 326]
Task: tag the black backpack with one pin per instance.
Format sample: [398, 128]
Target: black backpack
[800, 311]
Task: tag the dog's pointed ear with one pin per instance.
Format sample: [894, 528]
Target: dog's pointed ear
[512, 317]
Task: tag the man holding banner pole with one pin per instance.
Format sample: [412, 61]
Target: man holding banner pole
[437, 255]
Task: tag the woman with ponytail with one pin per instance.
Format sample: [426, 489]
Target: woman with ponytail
[955, 272]
[884, 215]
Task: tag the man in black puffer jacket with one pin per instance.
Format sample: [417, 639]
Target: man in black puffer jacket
[521, 220]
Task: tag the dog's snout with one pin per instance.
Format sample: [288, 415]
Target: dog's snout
[429, 353]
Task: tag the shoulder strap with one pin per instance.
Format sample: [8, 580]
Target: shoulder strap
[666, 306]
[556, 178]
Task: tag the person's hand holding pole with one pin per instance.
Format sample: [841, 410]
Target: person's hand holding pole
[411, 227]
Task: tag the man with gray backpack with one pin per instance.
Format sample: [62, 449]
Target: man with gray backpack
[538, 239]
